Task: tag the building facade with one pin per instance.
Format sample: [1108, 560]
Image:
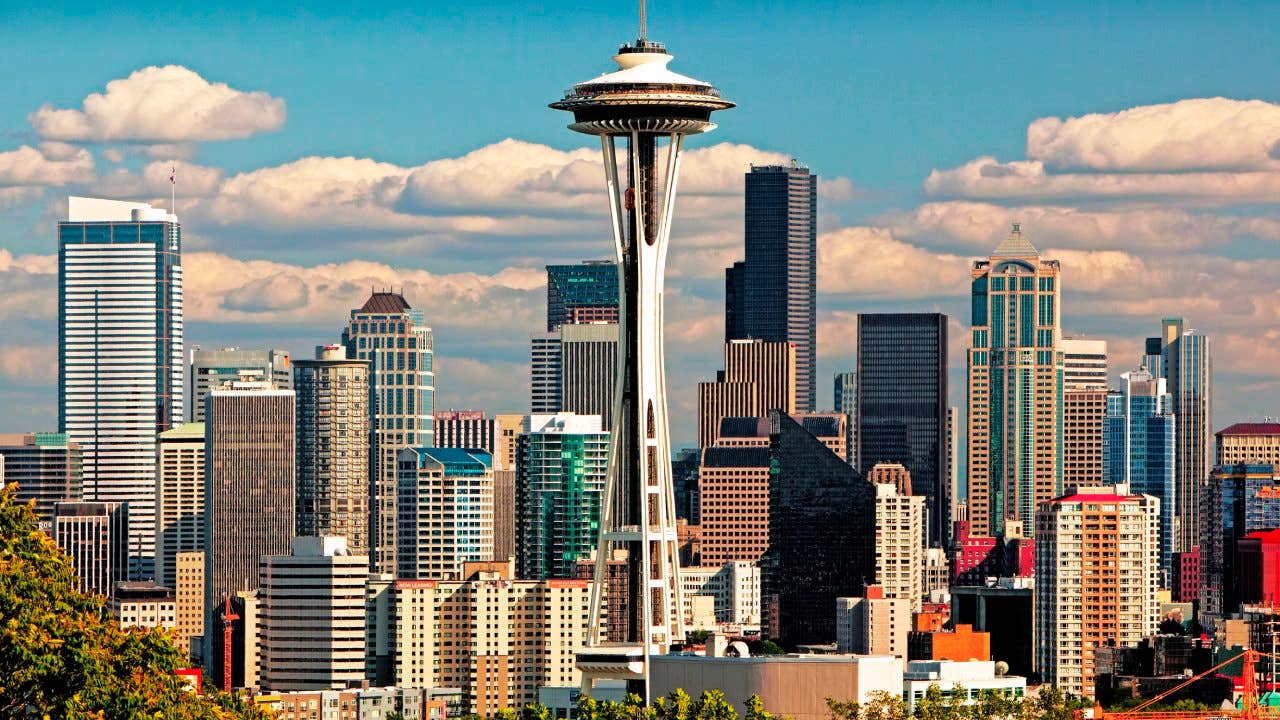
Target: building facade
[734, 588]
[188, 599]
[46, 467]
[333, 438]
[902, 403]
[778, 301]
[758, 377]
[582, 293]
[1138, 451]
[496, 638]
[900, 537]
[1187, 364]
[846, 403]
[311, 619]
[1084, 409]
[180, 506]
[1251, 443]
[1237, 500]
[562, 461]
[446, 510]
[120, 380]
[142, 604]
[1015, 386]
[400, 348]
[95, 535]
[210, 369]
[250, 488]
[733, 501]
[873, 624]
[1097, 573]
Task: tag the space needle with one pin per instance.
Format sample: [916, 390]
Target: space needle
[650, 109]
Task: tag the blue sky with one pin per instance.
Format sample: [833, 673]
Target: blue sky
[873, 96]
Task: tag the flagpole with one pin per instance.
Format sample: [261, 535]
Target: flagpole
[173, 190]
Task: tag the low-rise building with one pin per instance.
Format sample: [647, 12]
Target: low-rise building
[969, 678]
[873, 624]
[734, 588]
[142, 604]
[959, 645]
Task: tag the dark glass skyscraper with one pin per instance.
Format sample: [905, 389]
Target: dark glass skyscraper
[776, 299]
[822, 529]
[734, 320]
[902, 403]
[582, 293]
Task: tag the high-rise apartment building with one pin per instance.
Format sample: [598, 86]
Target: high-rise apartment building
[311, 619]
[250, 488]
[1015, 386]
[466, 429]
[45, 466]
[1097, 560]
[758, 377]
[957, 508]
[120, 352]
[544, 372]
[1138, 451]
[846, 403]
[562, 463]
[333, 437]
[733, 497]
[1084, 408]
[902, 403]
[446, 509]
[778, 297]
[582, 293]
[1186, 362]
[95, 535]
[820, 547]
[210, 369]
[1252, 443]
[399, 346]
[180, 506]
[496, 638]
[900, 544]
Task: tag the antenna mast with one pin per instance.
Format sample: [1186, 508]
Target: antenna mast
[643, 32]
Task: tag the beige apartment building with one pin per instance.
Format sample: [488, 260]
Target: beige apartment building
[179, 497]
[1253, 443]
[758, 376]
[496, 638]
[1084, 410]
[900, 544]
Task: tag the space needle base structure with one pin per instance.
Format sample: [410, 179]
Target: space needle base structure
[642, 113]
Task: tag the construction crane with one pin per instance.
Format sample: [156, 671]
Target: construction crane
[1249, 708]
[229, 617]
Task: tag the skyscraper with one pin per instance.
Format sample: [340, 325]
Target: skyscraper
[1015, 386]
[250, 488]
[1084, 408]
[900, 535]
[1238, 500]
[735, 322]
[902, 403]
[582, 293]
[209, 369]
[446, 512]
[758, 376]
[777, 300]
[468, 429]
[1186, 362]
[846, 402]
[1138, 451]
[396, 341]
[1109, 537]
[574, 369]
[733, 495]
[562, 463]
[333, 447]
[46, 467]
[120, 351]
[821, 535]
[180, 505]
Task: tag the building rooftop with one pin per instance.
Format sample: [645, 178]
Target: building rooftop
[185, 430]
[1251, 428]
[744, 427]
[385, 302]
[720, 457]
[1016, 245]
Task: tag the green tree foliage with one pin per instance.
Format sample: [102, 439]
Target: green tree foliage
[62, 655]
[711, 705]
[1049, 704]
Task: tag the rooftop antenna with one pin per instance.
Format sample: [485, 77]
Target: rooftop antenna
[643, 32]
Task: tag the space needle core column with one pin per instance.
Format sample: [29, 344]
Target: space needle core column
[651, 109]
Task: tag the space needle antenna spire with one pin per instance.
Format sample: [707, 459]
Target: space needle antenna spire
[641, 112]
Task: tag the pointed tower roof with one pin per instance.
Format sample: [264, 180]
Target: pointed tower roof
[385, 302]
[1016, 245]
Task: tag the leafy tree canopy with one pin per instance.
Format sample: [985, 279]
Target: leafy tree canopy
[62, 654]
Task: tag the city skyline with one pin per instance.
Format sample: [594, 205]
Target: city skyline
[469, 243]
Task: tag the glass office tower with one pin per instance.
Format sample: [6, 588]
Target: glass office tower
[902, 403]
[120, 352]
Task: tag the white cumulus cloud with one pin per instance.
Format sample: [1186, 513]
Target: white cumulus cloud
[170, 104]
[53, 163]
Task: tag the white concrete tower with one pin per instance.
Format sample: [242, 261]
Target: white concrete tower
[651, 109]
